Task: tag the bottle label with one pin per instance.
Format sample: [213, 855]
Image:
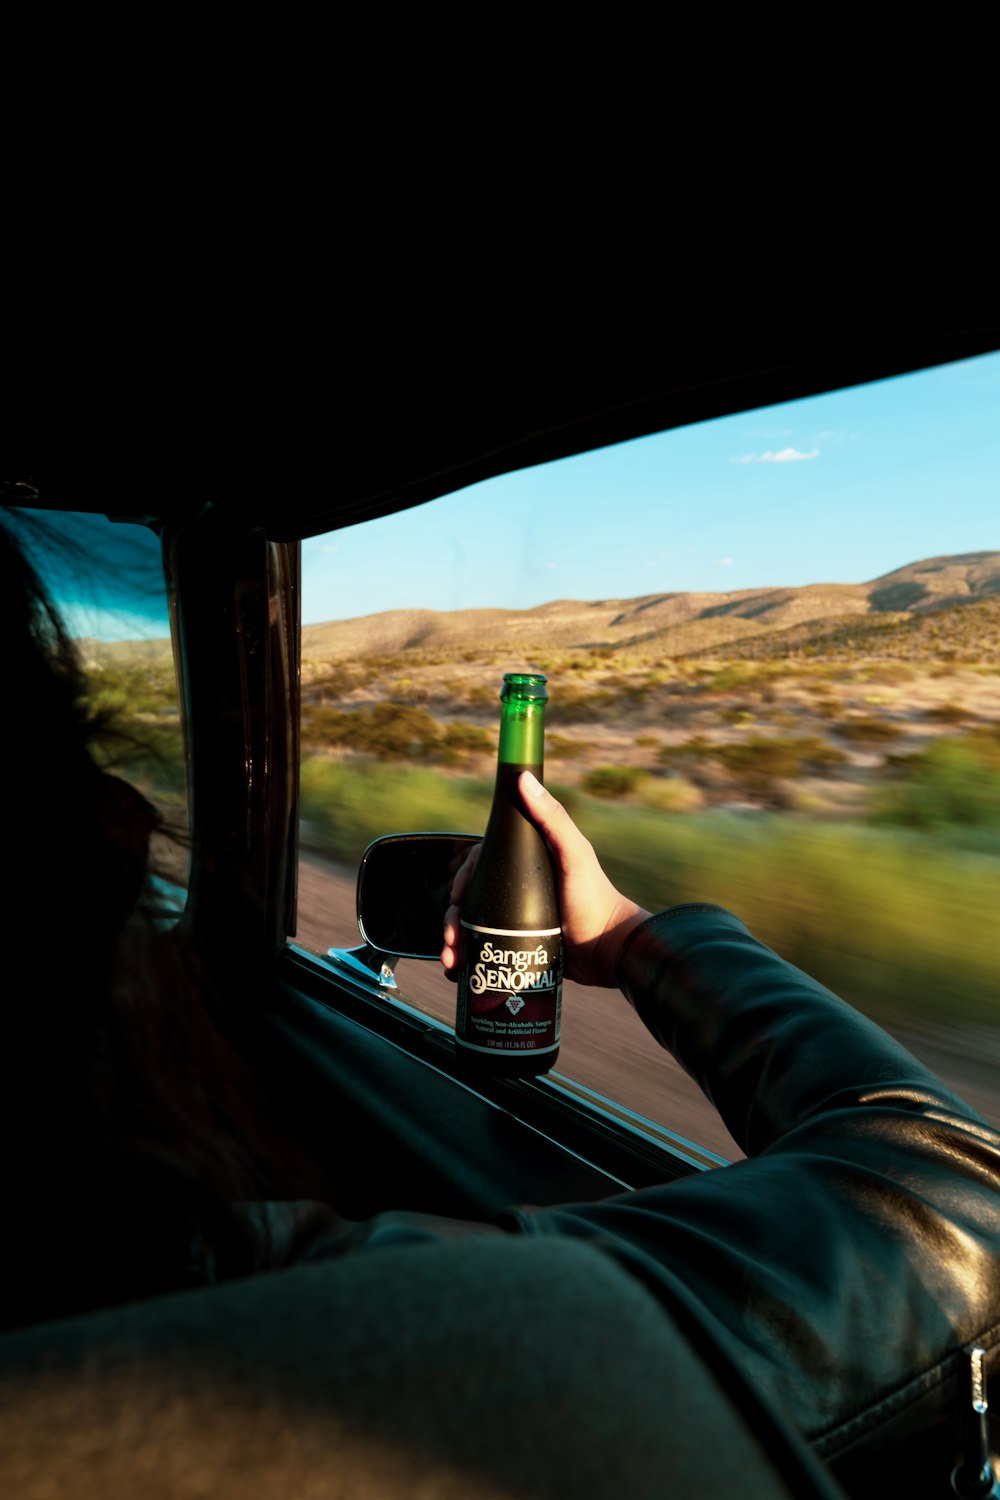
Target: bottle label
[510, 990]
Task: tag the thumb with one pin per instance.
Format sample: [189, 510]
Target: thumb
[596, 917]
[565, 839]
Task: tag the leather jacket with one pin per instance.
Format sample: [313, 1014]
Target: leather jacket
[839, 1269]
[832, 1277]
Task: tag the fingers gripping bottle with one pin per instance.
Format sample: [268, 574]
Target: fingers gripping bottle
[510, 972]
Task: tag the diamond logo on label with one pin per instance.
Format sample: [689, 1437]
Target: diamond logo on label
[514, 1003]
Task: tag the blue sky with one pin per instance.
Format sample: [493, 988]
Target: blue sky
[838, 488]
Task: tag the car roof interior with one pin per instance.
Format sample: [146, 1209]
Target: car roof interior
[436, 416]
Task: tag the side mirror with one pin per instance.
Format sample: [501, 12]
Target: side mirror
[404, 886]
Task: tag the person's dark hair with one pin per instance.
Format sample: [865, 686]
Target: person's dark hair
[126, 1112]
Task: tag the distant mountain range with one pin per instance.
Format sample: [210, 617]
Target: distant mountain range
[670, 624]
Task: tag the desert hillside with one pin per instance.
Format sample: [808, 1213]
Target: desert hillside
[670, 624]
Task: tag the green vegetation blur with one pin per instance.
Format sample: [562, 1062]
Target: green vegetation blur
[847, 812]
[135, 706]
[900, 922]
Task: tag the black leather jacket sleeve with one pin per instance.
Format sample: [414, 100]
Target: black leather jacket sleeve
[845, 1263]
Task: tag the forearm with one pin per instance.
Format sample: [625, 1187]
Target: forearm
[770, 1046]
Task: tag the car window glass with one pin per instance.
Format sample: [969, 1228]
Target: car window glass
[108, 584]
[773, 650]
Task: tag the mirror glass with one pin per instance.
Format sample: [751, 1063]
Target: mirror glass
[403, 890]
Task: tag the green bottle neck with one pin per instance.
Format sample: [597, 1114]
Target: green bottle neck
[522, 721]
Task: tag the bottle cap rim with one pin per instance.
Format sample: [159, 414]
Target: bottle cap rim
[524, 686]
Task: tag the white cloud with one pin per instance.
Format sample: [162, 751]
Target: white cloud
[782, 456]
[725, 562]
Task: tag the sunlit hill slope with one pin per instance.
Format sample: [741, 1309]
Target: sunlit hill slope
[911, 602]
[939, 603]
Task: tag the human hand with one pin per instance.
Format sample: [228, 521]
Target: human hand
[596, 918]
[450, 953]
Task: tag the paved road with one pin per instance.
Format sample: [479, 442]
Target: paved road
[603, 1044]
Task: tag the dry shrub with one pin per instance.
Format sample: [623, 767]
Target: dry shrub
[670, 794]
[868, 730]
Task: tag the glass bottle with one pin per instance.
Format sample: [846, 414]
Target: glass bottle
[510, 971]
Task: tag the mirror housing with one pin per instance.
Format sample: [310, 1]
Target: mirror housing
[404, 885]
